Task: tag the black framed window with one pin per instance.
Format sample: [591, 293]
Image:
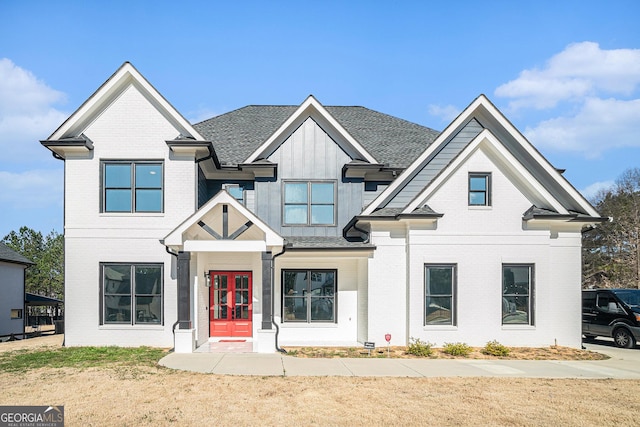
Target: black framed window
[130, 186]
[309, 295]
[517, 294]
[131, 294]
[479, 189]
[309, 203]
[439, 291]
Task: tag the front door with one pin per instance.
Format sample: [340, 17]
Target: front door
[230, 305]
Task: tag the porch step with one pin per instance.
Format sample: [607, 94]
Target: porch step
[226, 346]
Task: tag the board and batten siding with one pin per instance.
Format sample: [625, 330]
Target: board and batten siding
[442, 158]
[309, 154]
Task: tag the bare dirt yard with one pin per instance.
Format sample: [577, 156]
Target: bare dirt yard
[133, 396]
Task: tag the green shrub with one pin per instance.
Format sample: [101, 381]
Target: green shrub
[420, 348]
[494, 348]
[457, 349]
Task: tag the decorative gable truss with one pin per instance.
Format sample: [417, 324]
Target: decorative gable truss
[482, 127]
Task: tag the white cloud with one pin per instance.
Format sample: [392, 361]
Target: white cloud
[592, 190]
[599, 125]
[31, 189]
[27, 112]
[446, 113]
[581, 70]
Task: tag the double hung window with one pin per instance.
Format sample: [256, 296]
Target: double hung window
[309, 295]
[517, 294]
[132, 186]
[131, 294]
[309, 203]
[440, 288]
[479, 189]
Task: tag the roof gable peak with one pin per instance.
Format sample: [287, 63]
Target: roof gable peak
[124, 77]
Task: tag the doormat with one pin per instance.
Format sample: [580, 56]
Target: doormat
[232, 341]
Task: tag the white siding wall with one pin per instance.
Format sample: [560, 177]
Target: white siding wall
[12, 296]
[129, 129]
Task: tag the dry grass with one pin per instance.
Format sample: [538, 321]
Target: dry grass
[157, 396]
[516, 353]
[144, 395]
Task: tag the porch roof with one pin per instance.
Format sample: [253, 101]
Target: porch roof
[325, 243]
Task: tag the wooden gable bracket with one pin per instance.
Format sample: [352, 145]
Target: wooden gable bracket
[225, 227]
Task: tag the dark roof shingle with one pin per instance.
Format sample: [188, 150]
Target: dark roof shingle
[393, 141]
[8, 254]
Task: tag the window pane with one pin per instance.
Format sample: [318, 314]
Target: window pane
[438, 311]
[515, 310]
[439, 280]
[148, 176]
[322, 214]
[117, 279]
[117, 175]
[477, 199]
[148, 200]
[516, 294]
[295, 214]
[148, 309]
[295, 193]
[148, 280]
[295, 283]
[236, 192]
[117, 309]
[295, 308]
[322, 308]
[118, 201]
[322, 192]
[478, 183]
[516, 280]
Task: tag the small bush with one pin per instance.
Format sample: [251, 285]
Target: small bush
[457, 349]
[418, 347]
[494, 348]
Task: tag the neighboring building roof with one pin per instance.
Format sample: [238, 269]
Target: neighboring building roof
[9, 255]
[35, 299]
[393, 141]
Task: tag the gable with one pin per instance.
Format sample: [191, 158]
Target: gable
[69, 136]
[505, 138]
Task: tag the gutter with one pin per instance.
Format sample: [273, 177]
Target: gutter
[273, 302]
[173, 328]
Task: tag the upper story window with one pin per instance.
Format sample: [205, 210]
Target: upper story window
[309, 203]
[235, 191]
[130, 186]
[480, 189]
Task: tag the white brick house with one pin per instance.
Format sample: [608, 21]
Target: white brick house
[311, 225]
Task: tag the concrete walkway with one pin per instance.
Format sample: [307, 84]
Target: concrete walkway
[624, 364]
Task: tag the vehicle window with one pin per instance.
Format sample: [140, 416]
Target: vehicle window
[608, 304]
[630, 297]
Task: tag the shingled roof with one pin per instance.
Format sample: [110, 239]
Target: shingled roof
[393, 141]
[9, 255]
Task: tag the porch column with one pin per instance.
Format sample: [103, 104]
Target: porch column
[184, 290]
[267, 290]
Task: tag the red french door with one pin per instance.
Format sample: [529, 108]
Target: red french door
[230, 305]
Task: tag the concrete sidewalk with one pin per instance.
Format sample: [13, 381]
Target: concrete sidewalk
[624, 364]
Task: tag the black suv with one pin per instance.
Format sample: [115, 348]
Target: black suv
[612, 313]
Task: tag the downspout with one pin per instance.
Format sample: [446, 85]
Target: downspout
[273, 302]
[173, 328]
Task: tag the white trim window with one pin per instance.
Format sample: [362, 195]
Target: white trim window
[440, 294]
[131, 294]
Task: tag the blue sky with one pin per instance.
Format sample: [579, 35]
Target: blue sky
[566, 73]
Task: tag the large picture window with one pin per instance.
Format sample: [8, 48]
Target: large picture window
[132, 187]
[479, 189]
[131, 294]
[440, 287]
[309, 203]
[517, 294]
[309, 295]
